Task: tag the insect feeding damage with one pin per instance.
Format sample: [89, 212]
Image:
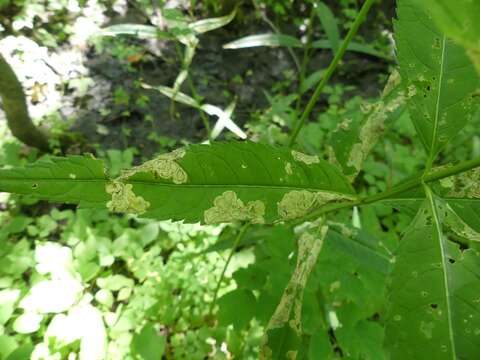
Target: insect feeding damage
[298, 203]
[374, 126]
[163, 166]
[228, 208]
[289, 310]
[307, 159]
[466, 184]
[124, 199]
[288, 168]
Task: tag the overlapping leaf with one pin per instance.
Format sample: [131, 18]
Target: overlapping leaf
[223, 182]
[275, 40]
[362, 127]
[440, 73]
[434, 308]
[460, 20]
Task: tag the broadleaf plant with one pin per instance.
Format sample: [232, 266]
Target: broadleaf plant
[432, 279]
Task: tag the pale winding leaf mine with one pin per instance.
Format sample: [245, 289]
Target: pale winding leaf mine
[374, 125]
[298, 203]
[289, 310]
[307, 159]
[228, 208]
[124, 199]
[164, 166]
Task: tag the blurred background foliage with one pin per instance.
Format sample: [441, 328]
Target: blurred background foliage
[81, 284]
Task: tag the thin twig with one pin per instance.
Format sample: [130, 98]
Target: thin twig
[230, 256]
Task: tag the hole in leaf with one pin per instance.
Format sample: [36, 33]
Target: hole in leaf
[434, 306]
[34, 186]
[451, 261]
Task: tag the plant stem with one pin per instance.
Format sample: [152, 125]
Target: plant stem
[204, 118]
[230, 256]
[306, 53]
[431, 176]
[331, 68]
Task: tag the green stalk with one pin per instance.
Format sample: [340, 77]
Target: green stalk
[331, 68]
[409, 185]
[306, 58]
[230, 256]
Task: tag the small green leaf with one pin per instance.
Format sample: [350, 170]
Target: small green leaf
[148, 344]
[204, 25]
[271, 40]
[27, 323]
[137, 30]
[236, 307]
[329, 24]
[21, 353]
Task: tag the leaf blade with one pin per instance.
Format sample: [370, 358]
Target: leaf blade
[252, 181]
[441, 75]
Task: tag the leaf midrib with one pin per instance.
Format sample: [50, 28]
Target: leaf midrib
[150, 183]
[437, 107]
[438, 229]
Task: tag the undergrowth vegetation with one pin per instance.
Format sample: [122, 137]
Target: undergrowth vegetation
[336, 218]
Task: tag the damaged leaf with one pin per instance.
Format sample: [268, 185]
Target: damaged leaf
[442, 74]
[222, 182]
[282, 339]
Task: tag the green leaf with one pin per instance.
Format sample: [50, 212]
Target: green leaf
[74, 179]
[236, 307]
[362, 248]
[271, 40]
[8, 299]
[355, 137]
[460, 20]
[440, 73]
[329, 24]
[7, 346]
[283, 335]
[148, 344]
[27, 323]
[21, 353]
[137, 30]
[434, 310]
[204, 25]
[276, 40]
[222, 182]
